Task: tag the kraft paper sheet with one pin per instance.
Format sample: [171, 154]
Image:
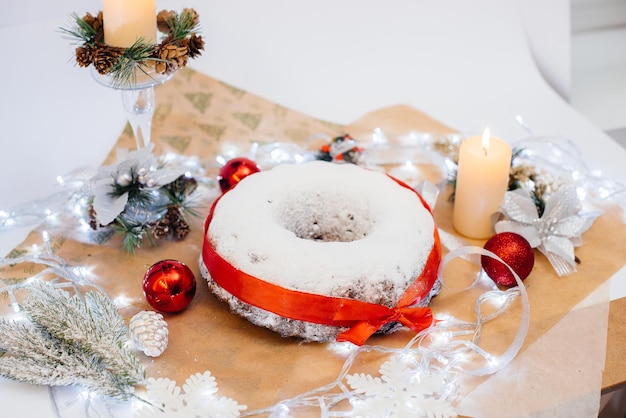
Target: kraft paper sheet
[200, 116]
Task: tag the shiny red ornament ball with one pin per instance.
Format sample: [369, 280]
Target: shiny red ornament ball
[514, 250]
[234, 171]
[169, 286]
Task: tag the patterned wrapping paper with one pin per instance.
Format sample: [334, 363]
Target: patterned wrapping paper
[196, 116]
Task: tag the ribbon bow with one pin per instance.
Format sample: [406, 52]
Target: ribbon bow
[417, 319]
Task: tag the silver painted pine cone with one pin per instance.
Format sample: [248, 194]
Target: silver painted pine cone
[148, 331]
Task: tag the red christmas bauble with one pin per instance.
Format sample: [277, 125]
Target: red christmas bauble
[234, 171]
[169, 286]
[514, 250]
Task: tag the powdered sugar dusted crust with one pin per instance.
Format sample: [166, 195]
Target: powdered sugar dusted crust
[324, 228]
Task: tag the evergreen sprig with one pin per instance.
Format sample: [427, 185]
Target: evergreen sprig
[79, 30]
[133, 232]
[133, 59]
[183, 24]
[70, 341]
[179, 191]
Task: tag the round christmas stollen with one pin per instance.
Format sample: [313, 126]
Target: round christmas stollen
[362, 318]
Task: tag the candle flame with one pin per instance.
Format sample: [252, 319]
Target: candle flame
[485, 141]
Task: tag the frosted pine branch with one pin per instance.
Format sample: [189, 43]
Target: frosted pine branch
[34, 356]
[93, 325]
[69, 342]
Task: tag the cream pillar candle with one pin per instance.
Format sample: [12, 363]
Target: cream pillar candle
[482, 179]
[126, 21]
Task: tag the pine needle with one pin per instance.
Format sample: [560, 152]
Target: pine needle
[184, 24]
[133, 60]
[79, 31]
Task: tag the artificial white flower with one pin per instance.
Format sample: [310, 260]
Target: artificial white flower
[139, 168]
[556, 232]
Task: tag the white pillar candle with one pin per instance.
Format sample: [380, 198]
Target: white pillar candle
[126, 21]
[482, 179]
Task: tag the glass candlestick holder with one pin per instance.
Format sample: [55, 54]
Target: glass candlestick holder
[137, 99]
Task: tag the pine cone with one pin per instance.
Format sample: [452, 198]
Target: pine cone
[161, 228]
[172, 57]
[160, 67]
[89, 19]
[195, 45]
[180, 227]
[192, 14]
[182, 187]
[164, 19]
[84, 55]
[96, 24]
[106, 57]
[148, 331]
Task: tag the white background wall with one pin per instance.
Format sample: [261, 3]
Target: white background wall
[598, 85]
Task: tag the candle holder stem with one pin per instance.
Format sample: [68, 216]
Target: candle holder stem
[139, 105]
[137, 98]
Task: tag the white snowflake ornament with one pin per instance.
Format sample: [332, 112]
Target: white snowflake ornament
[148, 331]
[198, 399]
[401, 391]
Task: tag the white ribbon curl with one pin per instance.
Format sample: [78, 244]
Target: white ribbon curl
[493, 364]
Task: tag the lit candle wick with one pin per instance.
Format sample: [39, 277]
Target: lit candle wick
[485, 141]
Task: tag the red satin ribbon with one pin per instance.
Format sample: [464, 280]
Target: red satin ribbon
[363, 318]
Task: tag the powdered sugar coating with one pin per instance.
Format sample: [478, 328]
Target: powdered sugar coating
[323, 228]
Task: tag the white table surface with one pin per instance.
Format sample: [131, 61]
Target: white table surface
[466, 64]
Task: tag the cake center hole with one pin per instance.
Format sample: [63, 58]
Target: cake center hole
[326, 217]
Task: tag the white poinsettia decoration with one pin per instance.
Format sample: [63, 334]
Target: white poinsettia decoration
[556, 232]
[135, 171]
[401, 391]
[198, 398]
